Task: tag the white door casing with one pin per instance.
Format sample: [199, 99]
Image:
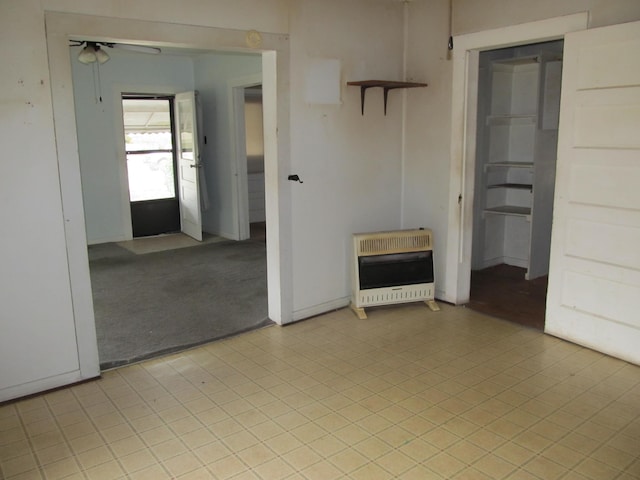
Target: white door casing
[189, 164]
[236, 92]
[463, 135]
[594, 278]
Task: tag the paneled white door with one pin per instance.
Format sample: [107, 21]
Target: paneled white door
[594, 279]
[189, 164]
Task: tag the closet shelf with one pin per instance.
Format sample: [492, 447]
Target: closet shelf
[386, 85]
[512, 119]
[508, 165]
[509, 210]
[516, 186]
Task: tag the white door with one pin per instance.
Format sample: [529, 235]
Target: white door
[594, 278]
[189, 164]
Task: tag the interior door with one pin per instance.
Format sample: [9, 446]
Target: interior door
[189, 164]
[594, 279]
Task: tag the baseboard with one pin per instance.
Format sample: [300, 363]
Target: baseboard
[320, 308]
[98, 241]
[42, 385]
[513, 261]
[516, 262]
[442, 295]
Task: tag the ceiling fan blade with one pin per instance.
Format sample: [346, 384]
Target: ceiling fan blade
[134, 48]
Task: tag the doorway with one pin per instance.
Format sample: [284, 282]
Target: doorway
[254, 141]
[465, 63]
[149, 140]
[274, 55]
[516, 140]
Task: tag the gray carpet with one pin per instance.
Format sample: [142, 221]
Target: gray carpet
[152, 304]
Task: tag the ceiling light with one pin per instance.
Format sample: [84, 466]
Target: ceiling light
[101, 55]
[92, 53]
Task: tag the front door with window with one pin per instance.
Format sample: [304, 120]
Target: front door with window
[151, 165]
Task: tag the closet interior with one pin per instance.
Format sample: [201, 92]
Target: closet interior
[518, 110]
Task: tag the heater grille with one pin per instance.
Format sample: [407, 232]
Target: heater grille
[385, 296]
[400, 241]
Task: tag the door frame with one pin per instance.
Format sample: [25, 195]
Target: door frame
[123, 171]
[60, 27]
[235, 88]
[465, 58]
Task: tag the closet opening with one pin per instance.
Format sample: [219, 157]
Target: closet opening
[516, 142]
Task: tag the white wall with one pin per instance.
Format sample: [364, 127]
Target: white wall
[265, 15]
[212, 73]
[100, 136]
[477, 15]
[426, 169]
[349, 163]
[47, 335]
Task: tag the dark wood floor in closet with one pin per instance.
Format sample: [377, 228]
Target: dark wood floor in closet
[503, 292]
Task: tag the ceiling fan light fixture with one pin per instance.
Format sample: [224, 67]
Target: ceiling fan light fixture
[101, 55]
[92, 53]
[87, 55]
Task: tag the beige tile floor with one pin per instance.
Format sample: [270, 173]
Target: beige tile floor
[407, 394]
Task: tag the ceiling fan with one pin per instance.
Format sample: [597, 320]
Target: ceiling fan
[93, 52]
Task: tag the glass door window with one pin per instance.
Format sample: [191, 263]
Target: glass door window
[149, 149]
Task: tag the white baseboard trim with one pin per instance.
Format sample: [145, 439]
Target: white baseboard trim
[320, 308]
[42, 385]
[513, 261]
[118, 238]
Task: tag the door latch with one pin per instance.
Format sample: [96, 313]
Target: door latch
[294, 178]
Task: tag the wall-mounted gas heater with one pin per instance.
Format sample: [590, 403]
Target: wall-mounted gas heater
[392, 267]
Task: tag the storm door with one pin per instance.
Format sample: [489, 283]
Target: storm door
[151, 165]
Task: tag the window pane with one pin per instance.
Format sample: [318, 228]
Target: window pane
[150, 176]
[185, 114]
[147, 128]
[135, 141]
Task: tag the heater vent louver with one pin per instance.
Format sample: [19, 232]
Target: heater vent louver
[382, 243]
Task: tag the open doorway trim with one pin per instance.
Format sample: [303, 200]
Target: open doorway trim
[466, 54]
[236, 87]
[60, 27]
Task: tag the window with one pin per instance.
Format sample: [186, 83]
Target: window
[149, 148]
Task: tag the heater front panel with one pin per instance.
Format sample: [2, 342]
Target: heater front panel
[397, 269]
[391, 295]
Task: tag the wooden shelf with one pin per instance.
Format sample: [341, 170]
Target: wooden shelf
[509, 210]
[508, 165]
[512, 119]
[516, 186]
[509, 64]
[386, 85]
